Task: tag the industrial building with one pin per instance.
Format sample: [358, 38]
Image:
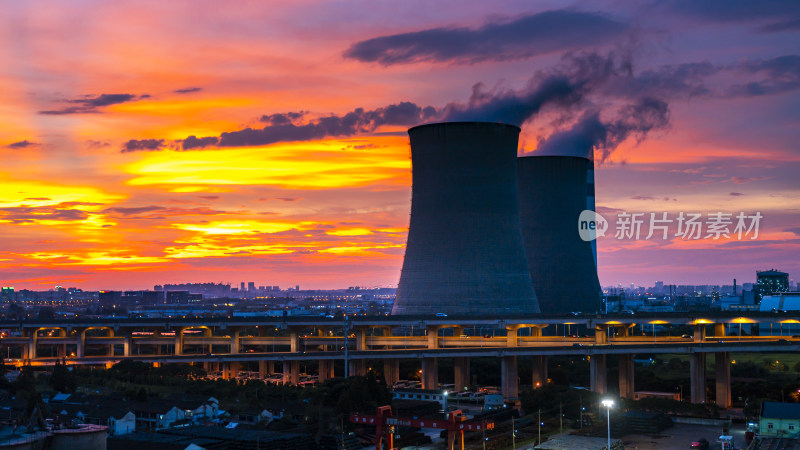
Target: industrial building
[465, 252]
[553, 191]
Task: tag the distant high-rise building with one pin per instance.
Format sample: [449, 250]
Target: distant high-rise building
[110, 298]
[771, 281]
[241, 287]
[251, 286]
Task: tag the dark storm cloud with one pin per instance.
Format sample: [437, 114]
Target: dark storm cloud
[188, 90]
[521, 37]
[355, 122]
[159, 212]
[89, 104]
[570, 88]
[779, 75]
[135, 145]
[29, 214]
[196, 142]
[22, 144]
[591, 133]
[789, 25]
[738, 10]
[736, 194]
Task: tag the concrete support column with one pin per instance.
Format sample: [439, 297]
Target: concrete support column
[262, 369]
[236, 341]
[699, 333]
[626, 382]
[391, 371]
[539, 371]
[697, 367]
[511, 336]
[127, 345]
[430, 373]
[357, 367]
[458, 331]
[719, 329]
[270, 367]
[598, 378]
[509, 378]
[722, 361]
[601, 334]
[461, 366]
[291, 372]
[80, 349]
[178, 341]
[294, 340]
[361, 339]
[325, 370]
[32, 345]
[433, 336]
[235, 368]
[536, 331]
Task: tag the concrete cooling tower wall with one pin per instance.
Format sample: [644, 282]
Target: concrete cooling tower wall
[553, 190]
[465, 252]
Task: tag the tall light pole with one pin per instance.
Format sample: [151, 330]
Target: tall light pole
[608, 403]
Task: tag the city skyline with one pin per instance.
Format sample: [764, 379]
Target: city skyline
[166, 143]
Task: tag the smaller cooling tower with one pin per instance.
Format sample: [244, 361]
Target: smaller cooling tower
[464, 253]
[553, 191]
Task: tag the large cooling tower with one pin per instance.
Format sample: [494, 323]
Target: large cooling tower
[465, 253]
[553, 190]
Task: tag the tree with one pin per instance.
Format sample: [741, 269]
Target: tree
[62, 379]
[46, 313]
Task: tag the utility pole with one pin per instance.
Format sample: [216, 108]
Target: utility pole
[539, 424]
[513, 435]
[346, 333]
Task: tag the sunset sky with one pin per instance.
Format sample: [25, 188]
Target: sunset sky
[204, 141]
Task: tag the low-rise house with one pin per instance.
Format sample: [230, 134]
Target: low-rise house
[779, 419]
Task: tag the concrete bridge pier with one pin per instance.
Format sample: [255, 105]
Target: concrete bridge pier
[430, 373]
[461, 367]
[722, 361]
[512, 332]
[626, 383]
[391, 371]
[291, 372]
[601, 334]
[598, 378]
[697, 369]
[357, 367]
[325, 370]
[509, 379]
[539, 370]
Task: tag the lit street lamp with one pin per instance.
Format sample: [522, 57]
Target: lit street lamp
[608, 403]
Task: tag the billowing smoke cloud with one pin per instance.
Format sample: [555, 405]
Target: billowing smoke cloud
[134, 145]
[523, 37]
[566, 85]
[590, 133]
